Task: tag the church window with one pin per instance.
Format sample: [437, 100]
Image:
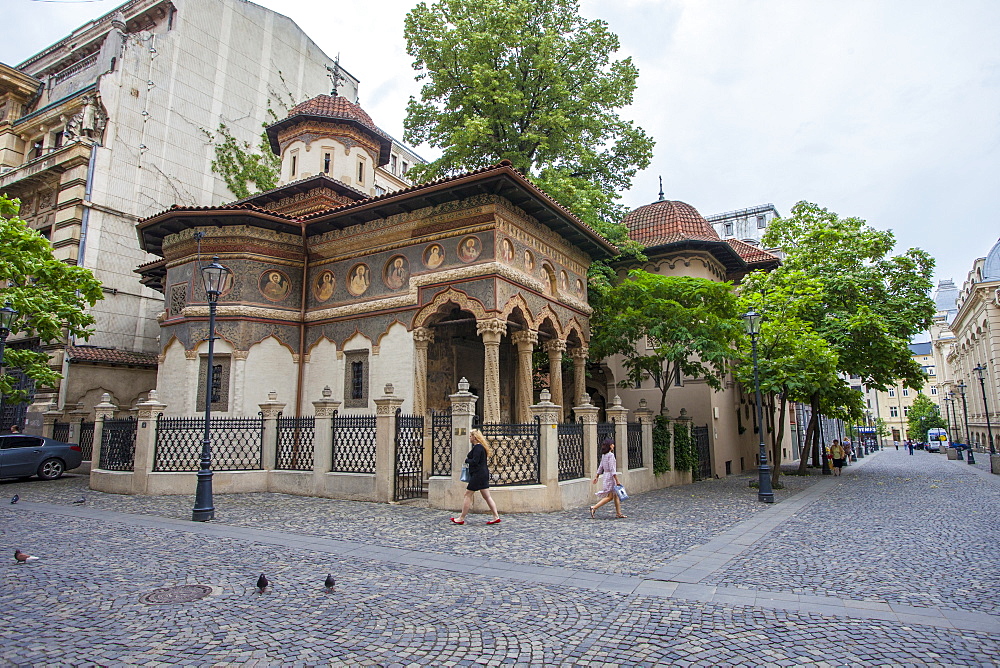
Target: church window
[220, 382]
[326, 163]
[356, 379]
[361, 170]
[294, 164]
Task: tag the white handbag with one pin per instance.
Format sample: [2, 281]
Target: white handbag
[620, 491]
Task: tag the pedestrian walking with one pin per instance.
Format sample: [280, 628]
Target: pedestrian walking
[909, 446]
[608, 467]
[14, 429]
[837, 454]
[479, 477]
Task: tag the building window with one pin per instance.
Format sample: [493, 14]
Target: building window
[728, 229]
[677, 377]
[761, 222]
[405, 168]
[326, 163]
[893, 412]
[933, 391]
[356, 379]
[656, 381]
[361, 171]
[906, 391]
[906, 411]
[638, 383]
[379, 190]
[36, 149]
[220, 382]
[295, 165]
[394, 164]
[892, 391]
[57, 139]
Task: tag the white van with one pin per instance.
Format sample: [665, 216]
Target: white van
[937, 438]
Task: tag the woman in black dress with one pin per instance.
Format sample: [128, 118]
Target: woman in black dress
[479, 477]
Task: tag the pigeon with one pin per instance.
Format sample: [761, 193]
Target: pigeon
[79, 502]
[329, 583]
[23, 558]
[14, 499]
[262, 583]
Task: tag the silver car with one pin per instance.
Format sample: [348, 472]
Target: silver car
[22, 456]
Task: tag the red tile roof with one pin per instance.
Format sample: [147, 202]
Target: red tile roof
[175, 208]
[666, 222]
[752, 254]
[334, 107]
[114, 356]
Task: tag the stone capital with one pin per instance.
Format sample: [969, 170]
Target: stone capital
[555, 346]
[272, 407]
[150, 408]
[580, 353]
[105, 409]
[423, 336]
[527, 337]
[587, 413]
[491, 330]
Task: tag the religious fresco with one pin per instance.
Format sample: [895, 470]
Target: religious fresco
[397, 272]
[324, 286]
[433, 256]
[507, 251]
[563, 282]
[529, 262]
[359, 279]
[578, 288]
[274, 285]
[470, 249]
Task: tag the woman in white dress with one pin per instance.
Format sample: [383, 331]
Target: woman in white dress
[608, 467]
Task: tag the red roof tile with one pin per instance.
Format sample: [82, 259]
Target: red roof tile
[109, 356]
[334, 107]
[752, 254]
[666, 222]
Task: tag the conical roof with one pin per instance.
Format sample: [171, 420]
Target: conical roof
[666, 222]
[332, 108]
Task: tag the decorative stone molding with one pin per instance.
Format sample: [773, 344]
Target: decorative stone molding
[242, 311]
[423, 337]
[463, 402]
[149, 409]
[580, 353]
[548, 412]
[491, 329]
[327, 405]
[190, 354]
[524, 337]
[554, 346]
[464, 301]
[226, 234]
[272, 407]
[240, 355]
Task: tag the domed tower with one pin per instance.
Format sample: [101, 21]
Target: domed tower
[333, 137]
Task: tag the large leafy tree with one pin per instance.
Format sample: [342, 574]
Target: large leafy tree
[533, 82]
[663, 326]
[50, 296]
[924, 414]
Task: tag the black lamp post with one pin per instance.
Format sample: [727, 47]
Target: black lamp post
[965, 411]
[871, 431]
[214, 277]
[7, 317]
[822, 448]
[980, 370]
[764, 491]
[948, 399]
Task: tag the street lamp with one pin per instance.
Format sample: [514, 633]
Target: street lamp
[7, 317]
[980, 370]
[948, 398]
[214, 277]
[965, 411]
[764, 491]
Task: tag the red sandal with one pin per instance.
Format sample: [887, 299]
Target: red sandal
[454, 521]
[496, 521]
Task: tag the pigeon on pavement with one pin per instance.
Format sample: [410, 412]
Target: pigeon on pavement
[329, 583]
[14, 499]
[23, 558]
[79, 502]
[262, 583]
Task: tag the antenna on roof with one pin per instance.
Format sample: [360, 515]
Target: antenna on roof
[336, 78]
[661, 189]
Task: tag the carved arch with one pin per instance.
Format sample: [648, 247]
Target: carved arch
[517, 301]
[385, 332]
[462, 300]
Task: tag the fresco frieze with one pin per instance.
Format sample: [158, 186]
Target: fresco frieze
[359, 279]
[470, 249]
[324, 285]
[397, 272]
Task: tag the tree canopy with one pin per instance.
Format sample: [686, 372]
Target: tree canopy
[924, 414]
[50, 297]
[533, 82]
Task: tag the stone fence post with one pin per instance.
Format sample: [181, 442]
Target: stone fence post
[463, 410]
[323, 435]
[385, 444]
[76, 418]
[549, 415]
[645, 417]
[269, 444]
[145, 442]
[49, 418]
[105, 409]
[618, 415]
[587, 413]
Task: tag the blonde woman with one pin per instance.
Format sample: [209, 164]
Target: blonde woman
[479, 477]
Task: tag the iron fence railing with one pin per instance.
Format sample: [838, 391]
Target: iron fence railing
[409, 465]
[570, 450]
[353, 443]
[236, 443]
[87, 440]
[604, 430]
[60, 431]
[118, 444]
[703, 467]
[635, 445]
[515, 459]
[296, 445]
[441, 443]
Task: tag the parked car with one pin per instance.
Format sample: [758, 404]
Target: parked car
[22, 456]
[933, 446]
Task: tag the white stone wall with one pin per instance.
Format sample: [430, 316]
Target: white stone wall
[323, 369]
[310, 160]
[394, 364]
[269, 367]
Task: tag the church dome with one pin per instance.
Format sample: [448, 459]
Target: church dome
[333, 107]
[330, 109]
[666, 222]
[991, 268]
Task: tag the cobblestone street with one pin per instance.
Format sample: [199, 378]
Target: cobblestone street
[892, 563]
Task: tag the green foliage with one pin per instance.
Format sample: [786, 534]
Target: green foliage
[50, 297]
[924, 414]
[533, 82]
[684, 454]
[240, 166]
[692, 322]
[661, 445]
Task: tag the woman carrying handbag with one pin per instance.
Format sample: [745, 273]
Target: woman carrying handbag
[608, 467]
[478, 477]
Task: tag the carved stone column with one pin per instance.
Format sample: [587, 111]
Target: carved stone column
[271, 409]
[525, 342]
[491, 331]
[556, 348]
[385, 444]
[618, 414]
[422, 338]
[323, 411]
[145, 442]
[579, 356]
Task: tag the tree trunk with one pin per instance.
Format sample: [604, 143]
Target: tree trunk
[778, 437]
[806, 446]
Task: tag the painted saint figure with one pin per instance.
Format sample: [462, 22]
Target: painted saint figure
[434, 256]
[396, 272]
[273, 285]
[323, 289]
[359, 280]
[470, 249]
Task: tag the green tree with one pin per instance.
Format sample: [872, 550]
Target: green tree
[663, 326]
[924, 414]
[50, 297]
[533, 82]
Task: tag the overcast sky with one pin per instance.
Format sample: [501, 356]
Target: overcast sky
[884, 110]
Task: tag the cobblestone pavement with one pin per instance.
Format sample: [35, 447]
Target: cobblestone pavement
[547, 589]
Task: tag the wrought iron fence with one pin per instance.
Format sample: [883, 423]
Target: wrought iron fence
[515, 459]
[87, 440]
[236, 443]
[60, 431]
[353, 443]
[409, 456]
[118, 444]
[441, 443]
[296, 444]
[635, 445]
[570, 450]
[604, 430]
[703, 467]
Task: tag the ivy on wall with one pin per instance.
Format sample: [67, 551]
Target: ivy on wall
[684, 457]
[245, 170]
[661, 445]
